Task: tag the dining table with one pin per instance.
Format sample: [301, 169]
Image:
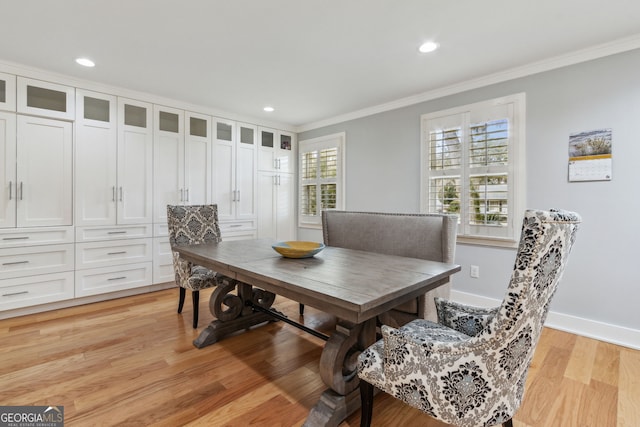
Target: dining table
[353, 285]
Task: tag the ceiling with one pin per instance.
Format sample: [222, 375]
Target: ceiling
[310, 59]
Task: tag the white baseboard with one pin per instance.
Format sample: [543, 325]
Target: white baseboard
[606, 332]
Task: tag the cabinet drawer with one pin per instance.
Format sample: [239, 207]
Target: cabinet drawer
[10, 238]
[104, 254]
[32, 260]
[162, 261]
[93, 234]
[237, 226]
[27, 291]
[110, 279]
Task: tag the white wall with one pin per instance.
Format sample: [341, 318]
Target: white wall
[600, 291]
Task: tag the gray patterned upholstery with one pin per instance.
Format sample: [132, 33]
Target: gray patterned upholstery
[424, 236]
[192, 225]
[470, 369]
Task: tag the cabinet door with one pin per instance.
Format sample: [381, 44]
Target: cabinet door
[246, 172]
[7, 92]
[96, 159]
[44, 172]
[267, 149]
[8, 185]
[135, 162]
[197, 159]
[266, 205]
[224, 159]
[285, 207]
[168, 161]
[285, 157]
[45, 99]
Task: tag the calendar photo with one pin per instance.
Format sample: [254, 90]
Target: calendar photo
[590, 156]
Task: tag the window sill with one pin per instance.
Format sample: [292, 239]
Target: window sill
[488, 241]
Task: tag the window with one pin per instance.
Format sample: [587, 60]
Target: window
[473, 166]
[321, 186]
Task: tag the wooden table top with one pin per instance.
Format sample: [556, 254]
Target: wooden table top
[352, 285]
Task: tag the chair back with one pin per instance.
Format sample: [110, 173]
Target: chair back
[193, 224]
[505, 347]
[424, 236]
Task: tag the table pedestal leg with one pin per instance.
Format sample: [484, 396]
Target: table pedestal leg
[233, 312]
[338, 370]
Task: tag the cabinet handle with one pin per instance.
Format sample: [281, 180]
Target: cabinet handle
[238, 191]
[20, 190]
[235, 225]
[15, 293]
[116, 232]
[233, 195]
[10, 190]
[113, 193]
[16, 238]
[121, 192]
[117, 278]
[187, 194]
[117, 253]
[181, 195]
[15, 263]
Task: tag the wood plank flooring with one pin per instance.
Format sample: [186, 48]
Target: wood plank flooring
[131, 362]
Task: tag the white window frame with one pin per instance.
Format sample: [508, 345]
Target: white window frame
[337, 141]
[463, 117]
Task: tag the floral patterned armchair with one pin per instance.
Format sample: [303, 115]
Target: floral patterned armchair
[470, 368]
[191, 225]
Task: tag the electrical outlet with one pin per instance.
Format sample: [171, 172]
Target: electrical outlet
[474, 271]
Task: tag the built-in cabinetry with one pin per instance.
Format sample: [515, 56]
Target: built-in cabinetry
[113, 236]
[276, 185]
[86, 177]
[182, 174]
[36, 210]
[235, 178]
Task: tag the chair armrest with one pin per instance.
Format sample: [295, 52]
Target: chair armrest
[467, 319]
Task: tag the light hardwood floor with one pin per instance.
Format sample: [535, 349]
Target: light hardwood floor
[131, 362]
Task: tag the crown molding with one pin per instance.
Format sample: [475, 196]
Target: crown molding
[576, 57]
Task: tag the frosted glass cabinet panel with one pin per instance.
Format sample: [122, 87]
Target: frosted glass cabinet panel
[7, 92]
[45, 99]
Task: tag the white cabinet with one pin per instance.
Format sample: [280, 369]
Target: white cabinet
[276, 184]
[182, 160]
[114, 166]
[96, 159]
[36, 266]
[235, 177]
[135, 162]
[8, 183]
[46, 99]
[182, 174]
[276, 150]
[7, 92]
[276, 206]
[44, 173]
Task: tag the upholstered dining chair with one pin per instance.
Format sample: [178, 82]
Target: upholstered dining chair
[191, 225]
[424, 236]
[470, 369]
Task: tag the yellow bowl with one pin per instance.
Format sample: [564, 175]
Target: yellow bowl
[298, 249]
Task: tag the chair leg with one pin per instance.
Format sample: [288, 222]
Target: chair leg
[183, 293]
[366, 403]
[195, 296]
[508, 423]
[301, 309]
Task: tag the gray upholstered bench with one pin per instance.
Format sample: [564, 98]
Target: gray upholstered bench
[425, 236]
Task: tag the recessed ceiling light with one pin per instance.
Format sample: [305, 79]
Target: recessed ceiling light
[269, 109]
[85, 62]
[428, 47]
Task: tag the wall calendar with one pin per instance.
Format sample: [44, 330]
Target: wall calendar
[590, 156]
